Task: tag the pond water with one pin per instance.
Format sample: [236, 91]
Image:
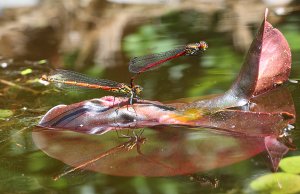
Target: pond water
[31, 158]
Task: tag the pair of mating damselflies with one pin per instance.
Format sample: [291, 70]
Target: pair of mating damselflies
[137, 65]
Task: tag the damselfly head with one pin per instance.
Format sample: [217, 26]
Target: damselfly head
[194, 48]
[203, 45]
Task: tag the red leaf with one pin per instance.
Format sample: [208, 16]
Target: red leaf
[270, 114]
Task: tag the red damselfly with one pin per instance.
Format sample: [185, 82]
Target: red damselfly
[150, 62]
[66, 79]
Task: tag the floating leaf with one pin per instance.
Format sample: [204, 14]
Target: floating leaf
[4, 113]
[98, 116]
[291, 164]
[277, 183]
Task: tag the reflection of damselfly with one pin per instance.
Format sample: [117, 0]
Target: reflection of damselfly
[64, 78]
[134, 141]
[149, 62]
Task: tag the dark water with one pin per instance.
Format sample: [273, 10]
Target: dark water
[24, 168]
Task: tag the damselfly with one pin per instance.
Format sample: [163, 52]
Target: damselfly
[149, 62]
[64, 78]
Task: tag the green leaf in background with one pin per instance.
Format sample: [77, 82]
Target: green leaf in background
[43, 61]
[277, 183]
[26, 71]
[291, 165]
[4, 113]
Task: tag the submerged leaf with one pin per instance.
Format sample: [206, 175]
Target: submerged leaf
[277, 183]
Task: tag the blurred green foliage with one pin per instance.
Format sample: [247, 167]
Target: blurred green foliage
[147, 40]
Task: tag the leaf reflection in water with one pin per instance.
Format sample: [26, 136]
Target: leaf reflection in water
[167, 152]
